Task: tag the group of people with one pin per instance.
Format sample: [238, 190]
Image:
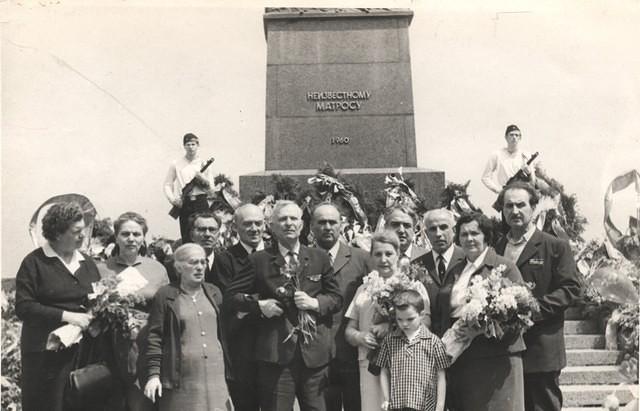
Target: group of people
[223, 333]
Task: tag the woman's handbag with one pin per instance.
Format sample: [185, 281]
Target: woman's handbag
[89, 384]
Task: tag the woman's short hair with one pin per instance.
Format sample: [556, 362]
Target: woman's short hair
[409, 298]
[484, 224]
[182, 253]
[386, 237]
[59, 218]
[130, 216]
[136, 218]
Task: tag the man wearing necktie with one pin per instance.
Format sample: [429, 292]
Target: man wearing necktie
[402, 220]
[444, 254]
[548, 263]
[293, 368]
[349, 265]
[248, 223]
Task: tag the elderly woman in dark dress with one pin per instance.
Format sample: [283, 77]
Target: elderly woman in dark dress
[186, 356]
[51, 289]
[130, 229]
[488, 375]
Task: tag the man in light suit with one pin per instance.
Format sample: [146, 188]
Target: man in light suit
[293, 368]
[444, 254]
[402, 220]
[548, 263]
[349, 265]
[248, 222]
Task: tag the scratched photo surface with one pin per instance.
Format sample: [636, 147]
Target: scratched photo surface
[97, 96]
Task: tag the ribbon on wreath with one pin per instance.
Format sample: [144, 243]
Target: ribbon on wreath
[620, 183]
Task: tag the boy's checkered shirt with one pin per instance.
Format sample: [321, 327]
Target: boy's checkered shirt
[413, 368]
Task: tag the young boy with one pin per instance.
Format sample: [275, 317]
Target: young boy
[413, 360]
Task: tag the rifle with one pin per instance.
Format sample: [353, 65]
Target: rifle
[518, 176]
[175, 210]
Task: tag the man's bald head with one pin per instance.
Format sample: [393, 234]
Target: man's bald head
[248, 220]
[439, 225]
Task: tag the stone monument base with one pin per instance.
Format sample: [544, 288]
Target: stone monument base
[428, 183]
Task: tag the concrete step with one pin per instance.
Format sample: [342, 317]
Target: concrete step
[579, 341]
[591, 374]
[581, 327]
[574, 313]
[593, 395]
[592, 357]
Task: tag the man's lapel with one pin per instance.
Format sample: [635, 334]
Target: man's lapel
[429, 264]
[417, 252]
[501, 245]
[277, 260]
[239, 251]
[530, 248]
[342, 257]
[457, 257]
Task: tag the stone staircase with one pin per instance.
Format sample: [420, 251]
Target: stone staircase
[592, 372]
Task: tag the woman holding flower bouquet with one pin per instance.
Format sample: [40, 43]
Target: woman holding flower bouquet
[128, 261]
[186, 356]
[488, 374]
[52, 285]
[369, 314]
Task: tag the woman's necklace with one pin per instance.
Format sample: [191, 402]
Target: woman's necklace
[194, 297]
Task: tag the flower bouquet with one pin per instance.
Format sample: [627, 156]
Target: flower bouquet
[112, 305]
[416, 272]
[306, 324]
[382, 291]
[495, 306]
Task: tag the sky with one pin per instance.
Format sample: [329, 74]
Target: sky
[96, 97]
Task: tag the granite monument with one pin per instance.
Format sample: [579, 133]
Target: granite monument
[339, 90]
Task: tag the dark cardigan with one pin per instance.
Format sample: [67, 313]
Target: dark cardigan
[44, 289]
[164, 356]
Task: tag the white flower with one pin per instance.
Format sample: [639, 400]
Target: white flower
[98, 289]
[472, 310]
[505, 303]
[519, 292]
[478, 289]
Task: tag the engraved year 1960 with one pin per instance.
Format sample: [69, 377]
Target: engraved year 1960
[343, 141]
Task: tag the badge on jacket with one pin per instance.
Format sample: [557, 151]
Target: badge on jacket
[536, 261]
[315, 278]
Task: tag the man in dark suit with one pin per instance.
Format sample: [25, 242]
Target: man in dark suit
[349, 265]
[204, 228]
[548, 263]
[402, 220]
[444, 254]
[289, 367]
[248, 222]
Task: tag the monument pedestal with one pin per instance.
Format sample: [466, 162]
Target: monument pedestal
[428, 183]
[339, 91]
